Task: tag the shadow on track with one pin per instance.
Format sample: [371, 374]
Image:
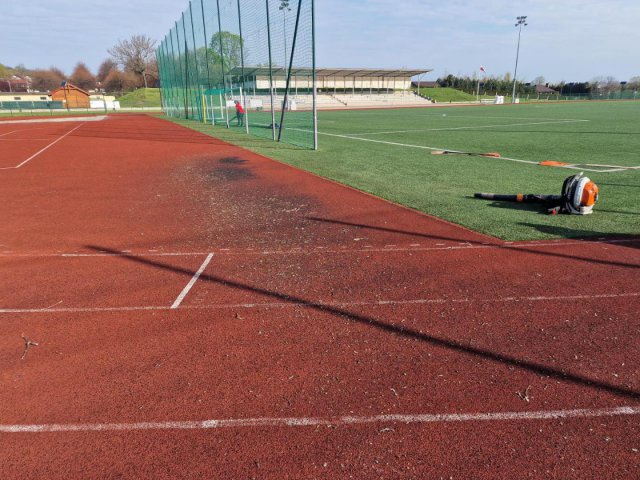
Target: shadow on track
[408, 333]
[392, 230]
[568, 233]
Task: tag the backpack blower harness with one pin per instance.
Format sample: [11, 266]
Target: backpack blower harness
[579, 195]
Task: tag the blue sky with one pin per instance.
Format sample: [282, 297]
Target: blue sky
[568, 40]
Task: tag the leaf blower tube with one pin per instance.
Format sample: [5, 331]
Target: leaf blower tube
[579, 195]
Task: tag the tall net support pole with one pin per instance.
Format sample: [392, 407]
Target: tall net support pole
[206, 45]
[224, 75]
[171, 59]
[187, 90]
[273, 111]
[165, 82]
[195, 57]
[315, 93]
[168, 82]
[162, 100]
[176, 65]
[179, 66]
[243, 94]
[161, 70]
[293, 52]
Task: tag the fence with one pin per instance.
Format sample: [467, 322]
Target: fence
[28, 107]
[244, 64]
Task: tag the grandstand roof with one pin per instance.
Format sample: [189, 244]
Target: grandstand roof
[330, 72]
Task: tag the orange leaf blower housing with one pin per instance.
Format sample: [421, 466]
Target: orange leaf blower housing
[580, 194]
[589, 194]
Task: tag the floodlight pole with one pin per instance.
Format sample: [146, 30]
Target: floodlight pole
[521, 21]
[284, 8]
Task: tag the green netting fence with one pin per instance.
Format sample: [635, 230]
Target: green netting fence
[244, 64]
[30, 105]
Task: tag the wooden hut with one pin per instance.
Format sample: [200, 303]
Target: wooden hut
[71, 96]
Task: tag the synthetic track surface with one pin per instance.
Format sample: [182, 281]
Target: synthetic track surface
[316, 332]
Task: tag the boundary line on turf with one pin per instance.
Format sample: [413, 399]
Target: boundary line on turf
[320, 304]
[451, 113]
[470, 128]
[322, 250]
[44, 149]
[410, 419]
[192, 282]
[580, 167]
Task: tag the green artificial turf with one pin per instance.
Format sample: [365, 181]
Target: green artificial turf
[443, 185]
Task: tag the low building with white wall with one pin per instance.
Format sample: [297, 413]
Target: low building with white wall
[351, 80]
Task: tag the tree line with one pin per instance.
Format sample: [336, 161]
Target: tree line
[131, 65]
[504, 85]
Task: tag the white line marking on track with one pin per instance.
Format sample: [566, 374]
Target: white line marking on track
[410, 419]
[44, 149]
[342, 250]
[9, 133]
[24, 139]
[97, 118]
[192, 282]
[321, 304]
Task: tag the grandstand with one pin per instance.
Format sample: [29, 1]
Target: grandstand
[337, 88]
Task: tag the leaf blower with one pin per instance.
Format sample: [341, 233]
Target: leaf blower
[579, 195]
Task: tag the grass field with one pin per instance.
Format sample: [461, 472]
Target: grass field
[445, 95]
[387, 153]
[142, 97]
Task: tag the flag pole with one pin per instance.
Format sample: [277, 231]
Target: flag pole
[478, 88]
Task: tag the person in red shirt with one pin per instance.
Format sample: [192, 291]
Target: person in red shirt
[239, 113]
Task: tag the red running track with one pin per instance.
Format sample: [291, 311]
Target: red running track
[204, 312]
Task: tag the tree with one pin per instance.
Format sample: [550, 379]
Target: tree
[5, 72]
[20, 70]
[134, 55]
[58, 72]
[539, 80]
[46, 80]
[105, 68]
[605, 85]
[117, 81]
[231, 49]
[83, 78]
[153, 74]
[114, 81]
[5, 76]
